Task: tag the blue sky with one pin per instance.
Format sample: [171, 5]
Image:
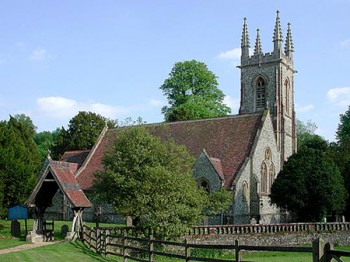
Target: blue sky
[110, 57]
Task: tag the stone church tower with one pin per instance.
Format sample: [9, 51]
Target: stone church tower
[267, 82]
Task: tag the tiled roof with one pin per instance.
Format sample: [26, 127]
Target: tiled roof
[229, 139]
[78, 156]
[60, 175]
[217, 165]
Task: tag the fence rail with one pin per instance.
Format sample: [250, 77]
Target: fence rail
[105, 241]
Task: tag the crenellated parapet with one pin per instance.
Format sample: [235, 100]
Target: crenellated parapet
[276, 55]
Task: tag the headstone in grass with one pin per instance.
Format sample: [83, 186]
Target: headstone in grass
[15, 228]
[64, 230]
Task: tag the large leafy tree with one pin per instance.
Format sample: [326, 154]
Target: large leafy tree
[19, 162]
[310, 184]
[305, 132]
[82, 133]
[192, 93]
[46, 141]
[150, 181]
[341, 153]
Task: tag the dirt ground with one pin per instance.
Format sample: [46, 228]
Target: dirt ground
[25, 247]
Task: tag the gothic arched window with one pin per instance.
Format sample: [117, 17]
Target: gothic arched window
[271, 175]
[260, 93]
[267, 172]
[245, 191]
[287, 90]
[263, 178]
[203, 183]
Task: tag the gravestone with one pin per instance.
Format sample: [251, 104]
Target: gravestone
[15, 228]
[64, 231]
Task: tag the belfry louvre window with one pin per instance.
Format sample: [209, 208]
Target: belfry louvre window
[260, 93]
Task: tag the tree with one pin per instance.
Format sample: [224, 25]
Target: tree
[192, 93]
[82, 133]
[343, 131]
[341, 153]
[150, 181]
[46, 141]
[305, 132]
[310, 185]
[19, 163]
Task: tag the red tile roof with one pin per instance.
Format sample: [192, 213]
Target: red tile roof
[228, 139]
[62, 175]
[77, 156]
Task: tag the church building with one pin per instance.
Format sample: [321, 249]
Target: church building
[242, 153]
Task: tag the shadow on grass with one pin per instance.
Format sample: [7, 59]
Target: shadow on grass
[86, 251]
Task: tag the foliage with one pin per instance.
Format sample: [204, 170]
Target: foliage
[192, 93]
[305, 132]
[46, 141]
[218, 202]
[341, 153]
[82, 133]
[19, 163]
[310, 185]
[150, 181]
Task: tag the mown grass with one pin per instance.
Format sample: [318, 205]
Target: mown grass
[7, 241]
[63, 251]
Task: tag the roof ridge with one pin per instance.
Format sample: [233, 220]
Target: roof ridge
[199, 120]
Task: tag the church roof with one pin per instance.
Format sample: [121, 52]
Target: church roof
[58, 175]
[77, 156]
[229, 140]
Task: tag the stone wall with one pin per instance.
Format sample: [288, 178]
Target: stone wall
[273, 239]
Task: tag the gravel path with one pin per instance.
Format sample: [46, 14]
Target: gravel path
[26, 246]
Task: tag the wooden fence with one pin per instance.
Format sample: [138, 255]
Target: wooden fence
[109, 242]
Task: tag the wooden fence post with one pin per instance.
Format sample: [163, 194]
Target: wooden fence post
[151, 243]
[187, 251]
[237, 251]
[98, 241]
[327, 256]
[318, 250]
[124, 247]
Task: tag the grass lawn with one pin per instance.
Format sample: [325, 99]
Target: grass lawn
[63, 251]
[7, 241]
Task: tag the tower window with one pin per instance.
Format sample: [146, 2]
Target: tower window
[260, 93]
[287, 87]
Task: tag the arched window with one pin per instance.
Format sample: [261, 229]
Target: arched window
[263, 178]
[287, 90]
[260, 93]
[245, 191]
[267, 172]
[203, 183]
[271, 175]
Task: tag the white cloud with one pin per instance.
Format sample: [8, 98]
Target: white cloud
[233, 103]
[157, 103]
[61, 107]
[339, 96]
[232, 54]
[345, 43]
[304, 109]
[56, 106]
[39, 54]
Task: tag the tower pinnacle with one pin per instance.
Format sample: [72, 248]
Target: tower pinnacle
[257, 49]
[277, 34]
[289, 48]
[245, 40]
